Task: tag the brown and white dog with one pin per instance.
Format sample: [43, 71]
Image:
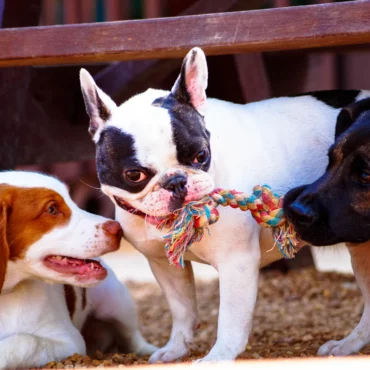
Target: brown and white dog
[46, 238]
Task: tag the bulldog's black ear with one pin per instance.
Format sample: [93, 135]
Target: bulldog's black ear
[349, 114]
[190, 87]
[99, 106]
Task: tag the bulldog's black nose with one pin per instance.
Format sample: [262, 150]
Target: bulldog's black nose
[177, 184]
[301, 213]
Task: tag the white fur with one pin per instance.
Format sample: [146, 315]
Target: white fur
[35, 326]
[282, 142]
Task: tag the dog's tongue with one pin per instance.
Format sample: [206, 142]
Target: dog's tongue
[75, 266]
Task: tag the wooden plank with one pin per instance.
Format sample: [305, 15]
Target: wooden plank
[48, 12]
[117, 10]
[87, 9]
[71, 12]
[152, 8]
[281, 3]
[252, 77]
[314, 26]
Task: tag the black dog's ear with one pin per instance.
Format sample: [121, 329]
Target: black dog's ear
[99, 106]
[349, 114]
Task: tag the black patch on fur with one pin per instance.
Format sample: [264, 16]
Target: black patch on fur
[358, 135]
[349, 114]
[115, 154]
[334, 98]
[189, 131]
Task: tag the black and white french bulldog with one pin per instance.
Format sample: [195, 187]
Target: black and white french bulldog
[160, 149]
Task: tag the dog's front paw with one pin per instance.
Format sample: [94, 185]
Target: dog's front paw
[218, 353]
[210, 359]
[342, 347]
[170, 352]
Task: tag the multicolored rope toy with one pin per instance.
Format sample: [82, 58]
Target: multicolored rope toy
[187, 225]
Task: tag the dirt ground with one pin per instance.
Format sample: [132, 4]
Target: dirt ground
[295, 314]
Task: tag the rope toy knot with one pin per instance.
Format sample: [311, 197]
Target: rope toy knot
[188, 224]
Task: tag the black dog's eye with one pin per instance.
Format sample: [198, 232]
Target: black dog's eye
[201, 157]
[136, 175]
[52, 209]
[365, 177]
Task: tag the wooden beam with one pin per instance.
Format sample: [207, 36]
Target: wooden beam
[302, 27]
[252, 77]
[71, 12]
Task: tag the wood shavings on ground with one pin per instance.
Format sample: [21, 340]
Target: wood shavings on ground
[295, 314]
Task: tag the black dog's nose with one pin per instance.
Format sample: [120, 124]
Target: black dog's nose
[301, 213]
[177, 184]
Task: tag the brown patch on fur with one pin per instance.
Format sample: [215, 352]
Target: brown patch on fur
[4, 247]
[70, 296]
[28, 219]
[84, 298]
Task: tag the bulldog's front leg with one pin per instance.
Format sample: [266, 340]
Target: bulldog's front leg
[238, 278]
[179, 288]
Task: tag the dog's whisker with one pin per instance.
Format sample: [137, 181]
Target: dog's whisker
[90, 186]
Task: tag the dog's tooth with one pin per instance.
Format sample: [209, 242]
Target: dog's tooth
[92, 266]
[58, 257]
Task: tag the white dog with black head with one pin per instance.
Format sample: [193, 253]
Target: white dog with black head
[163, 148]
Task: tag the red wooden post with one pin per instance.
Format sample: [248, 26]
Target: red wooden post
[152, 8]
[48, 11]
[87, 8]
[71, 12]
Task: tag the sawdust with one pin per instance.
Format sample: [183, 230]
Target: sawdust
[295, 314]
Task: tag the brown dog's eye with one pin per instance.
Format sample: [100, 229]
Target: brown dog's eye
[201, 157]
[365, 177]
[52, 210]
[136, 175]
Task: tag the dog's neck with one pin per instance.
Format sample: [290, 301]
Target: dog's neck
[15, 275]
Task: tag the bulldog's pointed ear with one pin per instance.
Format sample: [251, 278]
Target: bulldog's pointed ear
[190, 87]
[349, 114]
[99, 106]
[4, 246]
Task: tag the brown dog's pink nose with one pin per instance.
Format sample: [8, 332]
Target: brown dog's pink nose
[113, 228]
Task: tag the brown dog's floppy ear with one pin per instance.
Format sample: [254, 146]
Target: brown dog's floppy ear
[349, 114]
[4, 247]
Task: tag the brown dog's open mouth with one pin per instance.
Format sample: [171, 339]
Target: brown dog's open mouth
[86, 268]
[128, 208]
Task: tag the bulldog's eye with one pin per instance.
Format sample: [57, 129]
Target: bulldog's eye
[52, 209]
[201, 157]
[365, 177]
[136, 175]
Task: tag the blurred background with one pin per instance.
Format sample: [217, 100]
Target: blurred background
[43, 117]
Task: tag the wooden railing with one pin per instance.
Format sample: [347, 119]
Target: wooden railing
[316, 26]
